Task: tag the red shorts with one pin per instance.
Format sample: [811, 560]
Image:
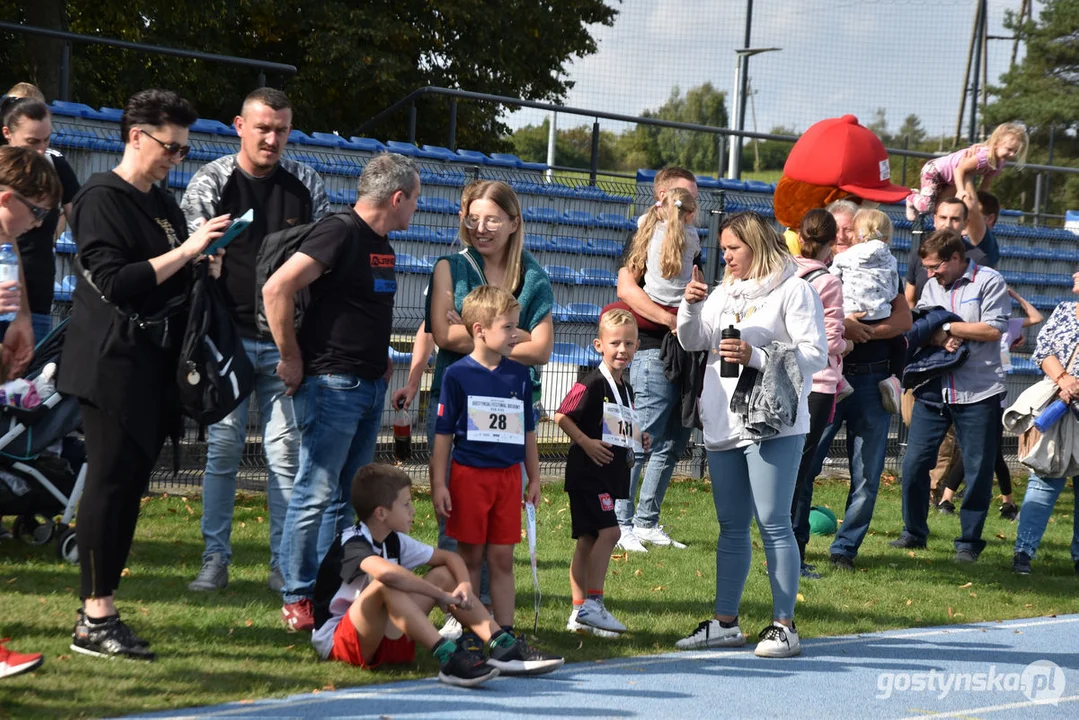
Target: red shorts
[346, 648]
[486, 505]
[642, 322]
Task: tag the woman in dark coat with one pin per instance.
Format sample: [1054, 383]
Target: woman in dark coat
[122, 345]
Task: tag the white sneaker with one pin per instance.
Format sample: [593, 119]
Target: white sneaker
[576, 627]
[594, 614]
[656, 536]
[891, 394]
[451, 629]
[711, 634]
[629, 541]
[778, 641]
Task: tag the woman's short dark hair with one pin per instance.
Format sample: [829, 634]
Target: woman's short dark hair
[818, 229]
[30, 174]
[14, 109]
[156, 108]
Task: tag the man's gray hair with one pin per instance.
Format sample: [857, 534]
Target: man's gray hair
[385, 174]
[842, 207]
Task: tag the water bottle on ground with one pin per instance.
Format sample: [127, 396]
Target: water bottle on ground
[402, 435]
[9, 270]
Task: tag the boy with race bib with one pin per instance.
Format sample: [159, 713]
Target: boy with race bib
[485, 416]
[599, 417]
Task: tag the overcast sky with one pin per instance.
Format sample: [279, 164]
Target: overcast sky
[837, 57]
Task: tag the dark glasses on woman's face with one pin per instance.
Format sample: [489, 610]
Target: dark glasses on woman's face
[172, 148]
[37, 211]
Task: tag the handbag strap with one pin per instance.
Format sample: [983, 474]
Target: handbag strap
[171, 307]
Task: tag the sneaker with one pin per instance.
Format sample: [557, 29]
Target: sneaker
[471, 642]
[214, 574]
[298, 616]
[946, 507]
[841, 562]
[1008, 511]
[891, 394]
[845, 391]
[629, 541]
[594, 614]
[134, 638]
[907, 542]
[711, 634]
[517, 658]
[451, 629]
[809, 572]
[13, 663]
[110, 639]
[575, 627]
[656, 536]
[965, 556]
[778, 641]
[275, 582]
[1021, 564]
[466, 669]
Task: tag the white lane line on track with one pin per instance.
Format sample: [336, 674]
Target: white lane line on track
[991, 708]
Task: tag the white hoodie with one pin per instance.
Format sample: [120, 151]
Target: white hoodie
[782, 308]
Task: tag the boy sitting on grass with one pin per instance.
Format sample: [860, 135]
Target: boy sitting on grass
[599, 417]
[485, 414]
[370, 609]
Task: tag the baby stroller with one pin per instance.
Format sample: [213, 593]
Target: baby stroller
[38, 483]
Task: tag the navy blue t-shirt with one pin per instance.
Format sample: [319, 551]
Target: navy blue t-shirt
[488, 412]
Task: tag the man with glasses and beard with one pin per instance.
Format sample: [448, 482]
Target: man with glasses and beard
[283, 193]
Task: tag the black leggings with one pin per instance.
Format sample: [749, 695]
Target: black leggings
[117, 475]
[820, 410]
[954, 478]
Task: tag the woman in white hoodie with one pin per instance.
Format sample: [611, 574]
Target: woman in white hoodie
[762, 296]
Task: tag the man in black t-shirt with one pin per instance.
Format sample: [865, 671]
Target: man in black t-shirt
[283, 193]
[337, 365]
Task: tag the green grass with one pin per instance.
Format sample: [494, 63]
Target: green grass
[232, 646]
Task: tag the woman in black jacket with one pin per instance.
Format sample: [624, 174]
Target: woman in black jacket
[122, 344]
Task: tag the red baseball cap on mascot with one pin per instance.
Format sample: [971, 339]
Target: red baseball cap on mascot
[839, 152]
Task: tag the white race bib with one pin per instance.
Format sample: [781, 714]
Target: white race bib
[494, 419]
[620, 427]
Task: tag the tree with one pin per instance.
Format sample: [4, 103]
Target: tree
[879, 125]
[353, 59]
[573, 146]
[702, 105]
[773, 153]
[912, 131]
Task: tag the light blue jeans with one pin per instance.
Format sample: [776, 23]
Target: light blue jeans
[339, 417]
[225, 447]
[659, 408]
[756, 481]
[1038, 502]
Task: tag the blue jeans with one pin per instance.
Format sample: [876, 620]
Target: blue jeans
[42, 324]
[758, 480]
[339, 417]
[867, 442]
[976, 431]
[1038, 502]
[659, 408]
[225, 447]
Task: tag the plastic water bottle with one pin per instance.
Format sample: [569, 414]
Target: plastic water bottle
[1051, 415]
[402, 435]
[9, 270]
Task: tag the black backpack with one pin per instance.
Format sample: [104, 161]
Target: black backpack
[214, 373]
[276, 248]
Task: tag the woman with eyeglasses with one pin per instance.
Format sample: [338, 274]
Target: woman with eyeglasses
[27, 123]
[134, 261]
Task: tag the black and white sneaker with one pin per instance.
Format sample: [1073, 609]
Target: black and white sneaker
[110, 639]
[778, 641]
[134, 638]
[517, 658]
[466, 669]
[711, 634]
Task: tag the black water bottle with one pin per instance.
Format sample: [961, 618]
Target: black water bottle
[727, 368]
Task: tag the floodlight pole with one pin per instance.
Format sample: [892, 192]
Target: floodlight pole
[737, 121]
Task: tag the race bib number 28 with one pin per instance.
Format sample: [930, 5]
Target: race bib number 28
[493, 419]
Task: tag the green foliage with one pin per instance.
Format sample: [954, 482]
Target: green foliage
[354, 59]
[573, 146]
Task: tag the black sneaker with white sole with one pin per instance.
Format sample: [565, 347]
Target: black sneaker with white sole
[517, 658]
[134, 638]
[109, 639]
[466, 669]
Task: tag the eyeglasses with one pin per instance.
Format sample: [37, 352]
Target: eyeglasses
[37, 211]
[934, 267]
[172, 148]
[473, 222]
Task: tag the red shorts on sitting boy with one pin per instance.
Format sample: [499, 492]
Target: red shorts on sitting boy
[346, 648]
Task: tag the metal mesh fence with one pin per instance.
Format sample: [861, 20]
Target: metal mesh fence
[576, 230]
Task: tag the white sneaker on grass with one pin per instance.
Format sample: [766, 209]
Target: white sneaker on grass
[577, 627]
[451, 629]
[656, 536]
[712, 634]
[778, 641]
[891, 394]
[629, 540]
[594, 614]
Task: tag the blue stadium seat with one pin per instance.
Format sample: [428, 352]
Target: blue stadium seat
[582, 218]
[536, 243]
[342, 197]
[366, 144]
[71, 109]
[563, 243]
[645, 177]
[179, 179]
[582, 312]
[615, 221]
[442, 153]
[542, 214]
[65, 244]
[415, 233]
[400, 358]
[707, 182]
[570, 354]
[598, 276]
[562, 274]
[1061, 280]
[446, 236]
[437, 205]
[110, 114]
[758, 186]
[212, 127]
[443, 176]
[330, 139]
[558, 313]
[409, 264]
[901, 243]
[62, 290]
[505, 160]
[727, 184]
[473, 156]
[604, 248]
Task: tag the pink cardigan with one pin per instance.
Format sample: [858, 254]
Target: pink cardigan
[830, 289]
